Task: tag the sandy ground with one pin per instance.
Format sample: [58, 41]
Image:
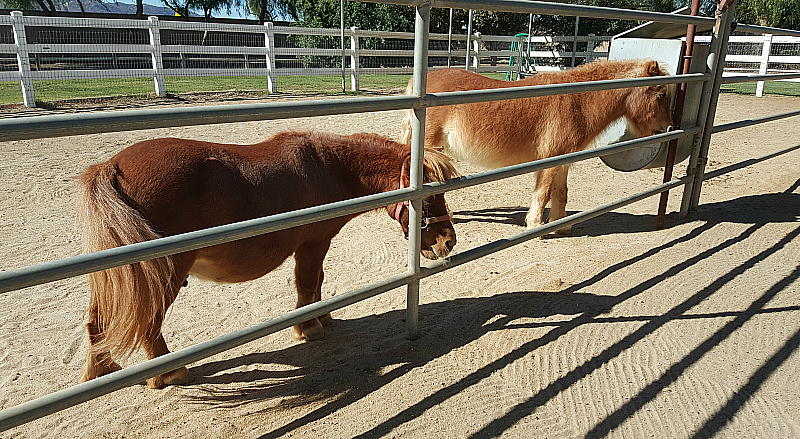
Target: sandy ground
[620, 330]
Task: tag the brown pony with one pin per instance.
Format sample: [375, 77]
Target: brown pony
[164, 187]
[505, 133]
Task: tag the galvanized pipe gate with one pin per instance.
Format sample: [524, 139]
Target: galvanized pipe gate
[76, 124]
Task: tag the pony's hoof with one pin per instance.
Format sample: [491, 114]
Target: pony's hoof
[177, 376]
[98, 369]
[310, 330]
[566, 231]
[533, 224]
[325, 319]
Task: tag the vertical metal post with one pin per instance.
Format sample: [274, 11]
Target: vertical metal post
[450, 39]
[421, 30]
[520, 59]
[575, 37]
[341, 28]
[766, 49]
[158, 64]
[708, 107]
[476, 47]
[677, 114]
[354, 62]
[469, 35]
[528, 62]
[269, 41]
[23, 59]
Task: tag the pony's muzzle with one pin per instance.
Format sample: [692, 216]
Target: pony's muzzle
[666, 130]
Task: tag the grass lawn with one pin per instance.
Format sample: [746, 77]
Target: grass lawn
[784, 88]
[52, 91]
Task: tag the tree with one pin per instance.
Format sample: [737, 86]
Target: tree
[50, 6]
[269, 10]
[209, 6]
[181, 7]
[373, 16]
[784, 14]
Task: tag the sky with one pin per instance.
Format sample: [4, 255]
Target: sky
[220, 14]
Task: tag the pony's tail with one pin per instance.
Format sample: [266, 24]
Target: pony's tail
[127, 303]
[405, 137]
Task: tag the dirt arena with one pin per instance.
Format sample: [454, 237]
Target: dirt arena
[619, 330]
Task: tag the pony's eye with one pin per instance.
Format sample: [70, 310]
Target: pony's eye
[662, 95]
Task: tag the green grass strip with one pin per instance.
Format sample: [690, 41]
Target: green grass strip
[50, 92]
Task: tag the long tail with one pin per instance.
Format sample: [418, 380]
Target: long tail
[405, 137]
[129, 301]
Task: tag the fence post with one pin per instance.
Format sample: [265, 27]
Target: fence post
[450, 39]
[476, 48]
[354, 85]
[469, 35]
[155, 48]
[23, 59]
[420, 78]
[520, 59]
[708, 107]
[590, 49]
[766, 49]
[269, 44]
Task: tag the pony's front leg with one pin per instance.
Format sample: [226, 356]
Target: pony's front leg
[541, 195]
[551, 186]
[308, 279]
[558, 198]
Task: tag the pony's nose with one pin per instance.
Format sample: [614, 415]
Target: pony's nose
[449, 245]
[666, 130]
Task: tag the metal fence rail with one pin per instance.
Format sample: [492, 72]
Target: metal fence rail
[15, 129]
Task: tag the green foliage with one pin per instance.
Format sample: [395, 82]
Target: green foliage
[269, 10]
[372, 16]
[784, 14]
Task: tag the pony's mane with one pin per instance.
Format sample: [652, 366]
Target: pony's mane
[598, 70]
[438, 166]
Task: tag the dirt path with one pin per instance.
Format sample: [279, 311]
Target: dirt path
[620, 330]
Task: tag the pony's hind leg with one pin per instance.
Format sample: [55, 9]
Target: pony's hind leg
[324, 319]
[155, 346]
[308, 279]
[98, 363]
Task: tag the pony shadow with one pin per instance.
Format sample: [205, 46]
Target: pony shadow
[607, 224]
[782, 207]
[497, 215]
[359, 356]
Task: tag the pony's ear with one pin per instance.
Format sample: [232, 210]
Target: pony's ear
[405, 172]
[652, 68]
[438, 167]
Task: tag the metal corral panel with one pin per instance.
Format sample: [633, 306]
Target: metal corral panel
[668, 53]
[662, 30]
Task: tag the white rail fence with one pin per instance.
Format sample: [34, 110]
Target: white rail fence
[761, 55]
[35, 48]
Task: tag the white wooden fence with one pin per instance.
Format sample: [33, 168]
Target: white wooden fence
[754, 55]
[159, 48]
